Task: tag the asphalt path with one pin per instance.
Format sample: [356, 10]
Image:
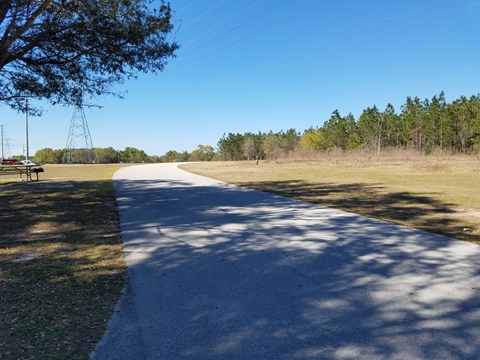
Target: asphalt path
[220, 272]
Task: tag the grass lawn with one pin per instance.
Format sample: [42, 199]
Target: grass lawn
[61, 262]
[432, 193]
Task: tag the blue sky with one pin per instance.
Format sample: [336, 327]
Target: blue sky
[250, 65]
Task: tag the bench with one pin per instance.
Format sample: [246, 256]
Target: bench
[22, 170]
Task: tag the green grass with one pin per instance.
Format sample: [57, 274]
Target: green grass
[435, 194]
[61, 262]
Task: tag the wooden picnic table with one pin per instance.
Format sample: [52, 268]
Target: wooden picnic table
[25, 171]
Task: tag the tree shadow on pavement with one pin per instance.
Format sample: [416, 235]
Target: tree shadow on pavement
[217, 271]
[418, 211]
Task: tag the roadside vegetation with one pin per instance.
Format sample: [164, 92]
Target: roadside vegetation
[436, 193]
[429, 126]
[61, 262]
[423, 126]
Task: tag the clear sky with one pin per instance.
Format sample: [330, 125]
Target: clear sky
[253, 65]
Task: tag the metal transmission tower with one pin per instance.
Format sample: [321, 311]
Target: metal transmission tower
[79, 148]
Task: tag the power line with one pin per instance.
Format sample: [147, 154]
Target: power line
[186, 7]
[393, 30]
[270, 68]
[236, 27]
[47, 124]
[252, 33]
[223, 23]
[375, 24]
[201, 16]
[345, 35]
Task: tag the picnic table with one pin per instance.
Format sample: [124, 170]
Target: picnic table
[25, 171]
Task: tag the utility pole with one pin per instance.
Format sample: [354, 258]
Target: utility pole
[1, 126]
[26, 128]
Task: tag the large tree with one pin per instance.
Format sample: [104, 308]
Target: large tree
[313, 139]
[341, 132]
[230, 147]
[63, 50]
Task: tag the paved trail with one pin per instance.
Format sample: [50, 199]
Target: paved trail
[220, 272]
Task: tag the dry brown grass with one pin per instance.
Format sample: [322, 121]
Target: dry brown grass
[439, 194]
[61, 262]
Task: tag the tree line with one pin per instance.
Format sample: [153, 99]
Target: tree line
[100, 155]
[424, 126]
[128, 155]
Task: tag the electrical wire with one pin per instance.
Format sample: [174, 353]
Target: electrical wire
[272, 68]
[316, 44]
[388, 31]
[186, 7]
[201, 16]
[236, 27]
[221, 24]
[375, 24]
[252, 33]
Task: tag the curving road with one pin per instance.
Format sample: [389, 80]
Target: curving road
[220, 272]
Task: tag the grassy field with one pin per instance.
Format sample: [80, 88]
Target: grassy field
[439, 194]
[61, 262]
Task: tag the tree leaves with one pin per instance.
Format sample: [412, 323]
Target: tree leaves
[65, 50]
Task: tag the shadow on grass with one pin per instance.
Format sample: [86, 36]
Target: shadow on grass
[414, 210]
[221, 272]
[61, 267]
